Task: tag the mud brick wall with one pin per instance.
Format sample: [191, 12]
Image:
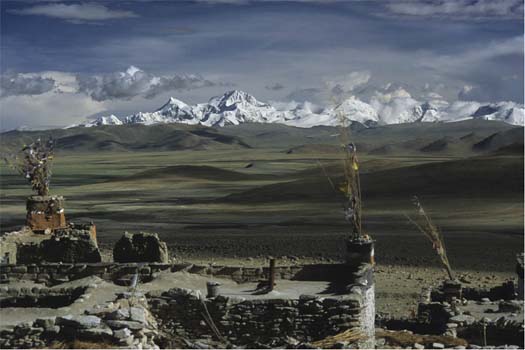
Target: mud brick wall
[266, 321]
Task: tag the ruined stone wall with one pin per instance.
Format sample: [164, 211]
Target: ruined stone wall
[260, 321]
[123, 323]
[263, 321]
[52, 273]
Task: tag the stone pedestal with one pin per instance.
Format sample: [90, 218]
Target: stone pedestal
[359, 251]
[45, 212]
[452, 289]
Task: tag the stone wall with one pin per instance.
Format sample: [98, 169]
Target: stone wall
[255, 322]
[123, 323]
[74, 243]
[493, 311]
[258, 321]
[53, 273]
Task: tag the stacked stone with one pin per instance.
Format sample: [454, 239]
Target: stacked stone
[125, 323]
[14, 296]
[26, 336]
[54, 273]
[269, 321]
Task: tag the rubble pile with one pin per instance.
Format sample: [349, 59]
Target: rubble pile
[125, 322]
[485, 317]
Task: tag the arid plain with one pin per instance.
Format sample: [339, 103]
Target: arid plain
[242, 193]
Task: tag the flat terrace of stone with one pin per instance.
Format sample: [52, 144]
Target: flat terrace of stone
[284, 289]
[99, 291]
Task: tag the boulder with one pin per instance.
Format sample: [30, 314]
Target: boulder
[79, 321]
[140, 247]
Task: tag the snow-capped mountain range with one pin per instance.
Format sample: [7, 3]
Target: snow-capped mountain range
[236, 107]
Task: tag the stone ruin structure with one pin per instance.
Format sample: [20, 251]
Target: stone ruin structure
[480, 317]
[164, 305]
[47, 236]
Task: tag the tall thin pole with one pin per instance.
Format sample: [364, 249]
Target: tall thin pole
[271, 281]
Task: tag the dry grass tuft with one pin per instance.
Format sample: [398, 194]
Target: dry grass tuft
[82, 344]
[425, 225]
[406, 339]
[350, 336]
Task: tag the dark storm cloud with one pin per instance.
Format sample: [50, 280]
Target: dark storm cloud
[20, 84]
[275, 87]
[135, 82]
[299, 44]
[306, 94]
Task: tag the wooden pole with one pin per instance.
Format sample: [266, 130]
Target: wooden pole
[272, 274]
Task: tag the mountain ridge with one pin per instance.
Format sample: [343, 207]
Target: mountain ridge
[236, 107]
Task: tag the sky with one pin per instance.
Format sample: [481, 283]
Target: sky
[64, 61]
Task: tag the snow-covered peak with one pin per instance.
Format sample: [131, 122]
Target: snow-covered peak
[173, 103]
[102, 120]
[390, 107]
[236, 97]
[357, 110]
[506, 111]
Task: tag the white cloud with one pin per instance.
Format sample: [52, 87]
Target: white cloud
[464, 9]
[135, 82]
[47, 110]
[16, 84]
[393, 106]
[347, 83]
[76, 13]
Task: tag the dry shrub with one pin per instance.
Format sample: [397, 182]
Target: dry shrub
[350, 336]
[427, 227]
[82, 344]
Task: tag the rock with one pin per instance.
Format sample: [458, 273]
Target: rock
[126, 341]
[125, 324]
[418, 346]
[120, 314]
[122, 333]
[52, 331]
[45, 322]
[95, 333]
[138, 314]
[463, 319]
[459, 347]
[78, 321]
[438, 346]
[140, 247]
[510, 306]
